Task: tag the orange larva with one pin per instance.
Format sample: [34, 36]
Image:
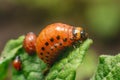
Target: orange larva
[17, 63]
[30, 43]
[54, 38]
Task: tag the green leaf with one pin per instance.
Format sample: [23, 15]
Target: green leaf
[8, 53]
[86, 69]
[65, 69]
[108, 68]
[11, 49]
[3, 70]
[32, 67]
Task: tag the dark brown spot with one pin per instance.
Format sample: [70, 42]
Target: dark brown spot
[41, 53]
[51, 39]
[46, 43]
[55, 46]
[42, 58]
[60, 44]
[43, 48]
[65, 39]
[47, 60]
[58, 37]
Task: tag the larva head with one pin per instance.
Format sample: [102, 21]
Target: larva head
[29, 43]
[79, 34]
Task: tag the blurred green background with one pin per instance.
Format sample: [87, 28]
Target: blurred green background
[100, 18]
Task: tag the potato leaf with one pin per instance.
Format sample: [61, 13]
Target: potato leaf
[8, 53]
[65, 69]
[33, 67]
[108, 68]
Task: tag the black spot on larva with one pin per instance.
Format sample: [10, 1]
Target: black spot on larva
[42, 58]
[47, 60]
[46, 43]
[60, 44]
[65, 39]
[58, 37]
[43, 48]
[51, 39]
[41, 53]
